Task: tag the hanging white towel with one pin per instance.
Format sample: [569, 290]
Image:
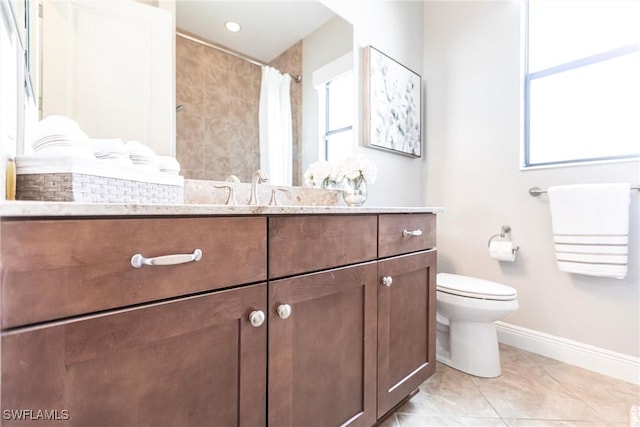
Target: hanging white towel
[590, 225]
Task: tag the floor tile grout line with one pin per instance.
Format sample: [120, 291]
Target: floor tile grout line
[473, 381]
[589, 416]
[570, 393]
[503, 420]
[577, 397]
[593, 423]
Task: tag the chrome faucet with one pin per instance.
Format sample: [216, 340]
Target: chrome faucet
[258, 177]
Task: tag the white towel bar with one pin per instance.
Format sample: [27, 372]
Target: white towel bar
[536, 191]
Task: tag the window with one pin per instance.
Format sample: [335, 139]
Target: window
[582, 84]
[338, 117]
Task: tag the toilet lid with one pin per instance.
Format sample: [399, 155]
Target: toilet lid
[474, 288]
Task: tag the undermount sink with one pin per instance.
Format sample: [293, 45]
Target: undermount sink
[216, 193]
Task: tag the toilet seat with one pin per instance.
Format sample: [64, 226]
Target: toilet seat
[472, 287]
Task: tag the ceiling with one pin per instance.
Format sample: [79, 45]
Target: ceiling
[268, 27]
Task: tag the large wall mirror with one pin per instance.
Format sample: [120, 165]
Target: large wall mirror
[218, 90]
[217, 93]
[18, 101]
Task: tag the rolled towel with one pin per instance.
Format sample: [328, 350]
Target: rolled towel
[59, 129]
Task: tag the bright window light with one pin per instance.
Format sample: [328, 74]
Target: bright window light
[582, 91]
[338, 117]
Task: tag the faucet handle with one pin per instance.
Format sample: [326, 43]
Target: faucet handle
[231, 198]
[262, 175]
[274, 195]
[257, 177]
[232, 178]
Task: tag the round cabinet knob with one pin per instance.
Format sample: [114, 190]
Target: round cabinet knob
[256, 318]
[387, 281]
[284, 311]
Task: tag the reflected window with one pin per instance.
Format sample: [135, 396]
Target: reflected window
[336, 107]
[582, 91]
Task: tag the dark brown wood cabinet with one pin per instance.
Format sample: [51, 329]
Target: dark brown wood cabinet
[67, 267]
[287, 320]
[322, 331]
[322, 340]
[406, 306]
[195, 361]
[91, 339]
[406, 326]
[305, 243]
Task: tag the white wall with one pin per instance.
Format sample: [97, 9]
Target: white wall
[472, 70]
[328, 43]
[396, 29]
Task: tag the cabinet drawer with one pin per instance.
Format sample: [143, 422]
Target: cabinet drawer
[60, 268]
[393, 240]
[300, 244]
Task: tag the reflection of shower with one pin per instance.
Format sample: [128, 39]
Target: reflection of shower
[179, 108]
[275, 126]
[240, 150]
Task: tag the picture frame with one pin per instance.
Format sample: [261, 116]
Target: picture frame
[392, 105]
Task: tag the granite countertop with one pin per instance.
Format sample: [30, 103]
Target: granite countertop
[75, 209]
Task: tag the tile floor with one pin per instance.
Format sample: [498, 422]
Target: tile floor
[532, 391]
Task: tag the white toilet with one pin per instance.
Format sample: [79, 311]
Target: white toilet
[467, 308]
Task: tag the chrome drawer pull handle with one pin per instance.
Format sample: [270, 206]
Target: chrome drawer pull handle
[417, 232]
[138, 260]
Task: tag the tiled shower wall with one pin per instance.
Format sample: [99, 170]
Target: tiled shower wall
[217, 130]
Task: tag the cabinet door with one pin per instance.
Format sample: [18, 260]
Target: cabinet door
[322, 357]
[192, 362]
[406, 326]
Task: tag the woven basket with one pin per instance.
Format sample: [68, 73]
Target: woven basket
[77, 187]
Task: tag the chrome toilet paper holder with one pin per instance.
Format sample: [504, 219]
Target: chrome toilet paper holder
[503, 233]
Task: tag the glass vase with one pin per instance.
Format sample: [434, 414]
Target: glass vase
[354, 192]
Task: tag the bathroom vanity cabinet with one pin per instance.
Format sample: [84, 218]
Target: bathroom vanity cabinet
[406, 325]
[322, 350]
[406, 306]
[191, 362]
[285, 320]
[87, 333]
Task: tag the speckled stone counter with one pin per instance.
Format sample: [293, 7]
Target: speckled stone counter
[73, 209]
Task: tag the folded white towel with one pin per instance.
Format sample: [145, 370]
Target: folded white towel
[591, 228]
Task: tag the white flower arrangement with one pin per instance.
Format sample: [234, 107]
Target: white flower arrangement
[319, 174]
[354, 169]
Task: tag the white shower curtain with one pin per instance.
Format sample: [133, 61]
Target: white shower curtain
[276, 135]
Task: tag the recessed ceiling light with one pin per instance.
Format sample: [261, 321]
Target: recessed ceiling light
[232, 26]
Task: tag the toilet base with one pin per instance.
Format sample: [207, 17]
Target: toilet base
[473, 348]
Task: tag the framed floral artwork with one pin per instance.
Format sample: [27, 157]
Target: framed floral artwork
[392, 105]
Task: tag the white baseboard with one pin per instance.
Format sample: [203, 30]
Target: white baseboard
[616, 365]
